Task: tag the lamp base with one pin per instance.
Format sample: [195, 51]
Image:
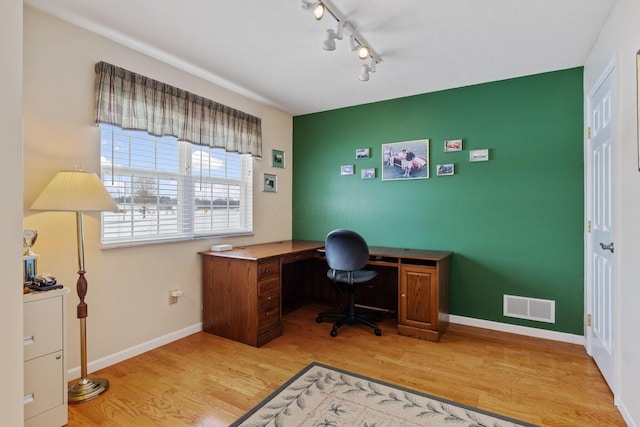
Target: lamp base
[86, 389]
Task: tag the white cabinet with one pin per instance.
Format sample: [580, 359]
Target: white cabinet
[45, 374]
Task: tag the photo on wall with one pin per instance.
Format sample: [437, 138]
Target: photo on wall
[453, 145]
[347, 170]
[444, 170]
[405, 160]
[270, 183]
[362, 153]
[277, 158]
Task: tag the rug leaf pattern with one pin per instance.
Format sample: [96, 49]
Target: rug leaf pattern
[322, 396]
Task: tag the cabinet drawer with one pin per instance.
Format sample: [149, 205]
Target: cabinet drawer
[44, 384]
[269, 286]
[42, 327]
[268, 268]
[298, 256]
[268, 311]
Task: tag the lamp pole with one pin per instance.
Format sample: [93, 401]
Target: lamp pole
[85, 388]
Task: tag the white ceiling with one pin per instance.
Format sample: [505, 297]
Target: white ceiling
[271, 50]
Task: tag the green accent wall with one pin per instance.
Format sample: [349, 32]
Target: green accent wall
[514, 223]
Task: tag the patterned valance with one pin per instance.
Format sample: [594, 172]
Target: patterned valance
[134, 102]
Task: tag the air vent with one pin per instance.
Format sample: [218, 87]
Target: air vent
[541, 310]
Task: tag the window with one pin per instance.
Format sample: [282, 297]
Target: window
[167, 189]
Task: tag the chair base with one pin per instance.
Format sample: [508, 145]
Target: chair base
[350, 317]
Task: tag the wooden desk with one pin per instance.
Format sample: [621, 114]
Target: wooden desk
[242, 288]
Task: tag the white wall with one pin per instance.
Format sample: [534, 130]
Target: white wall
[620, 38]
[11, 372]
[128, 287]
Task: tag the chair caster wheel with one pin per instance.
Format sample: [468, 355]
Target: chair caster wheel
[378, 332]
[334, 333]
[319, 319]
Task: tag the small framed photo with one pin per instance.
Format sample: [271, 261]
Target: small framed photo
[362, 153]
[270, 183]
[277, 158]
[444, 170]
[30, 269]
[347, 169]
[453, 145]
[369, 173]
[479, 155]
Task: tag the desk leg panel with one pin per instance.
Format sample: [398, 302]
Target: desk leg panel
[230, 299]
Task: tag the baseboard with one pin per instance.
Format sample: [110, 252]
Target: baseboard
[520, 330]
[112, 359]
[626, 416]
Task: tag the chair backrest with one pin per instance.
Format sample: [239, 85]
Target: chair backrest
[346, 250]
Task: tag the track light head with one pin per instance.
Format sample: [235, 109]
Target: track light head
[330, 41]
[364, 52]
[364, 73]
[366, 69]
[318, 10]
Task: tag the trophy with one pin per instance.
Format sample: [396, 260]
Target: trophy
[29, 237]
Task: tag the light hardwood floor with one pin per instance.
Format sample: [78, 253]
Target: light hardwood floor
[205, 380]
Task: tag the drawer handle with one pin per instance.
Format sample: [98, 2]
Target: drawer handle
[267, 287]
[28, 340]
[269, 298]
[28, 398]
[58, 357]
[403, 295]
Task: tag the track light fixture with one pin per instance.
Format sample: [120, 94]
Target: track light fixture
[366, 69]
[364, 52]
[330, 41]
[318, 11]
[357, 42]
[317, 8]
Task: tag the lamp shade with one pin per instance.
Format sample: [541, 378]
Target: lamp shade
[75, 191]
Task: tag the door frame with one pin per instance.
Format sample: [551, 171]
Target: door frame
[611, 68]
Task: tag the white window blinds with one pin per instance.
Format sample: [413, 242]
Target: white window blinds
[172, 190]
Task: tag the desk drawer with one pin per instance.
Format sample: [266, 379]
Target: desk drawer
[298, 256]
[269, 286]
[268, 311]
[268, 268]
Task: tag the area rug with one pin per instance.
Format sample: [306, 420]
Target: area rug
[320, 395]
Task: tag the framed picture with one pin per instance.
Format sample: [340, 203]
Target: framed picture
[453, 145]
[30, 268]
[270, 183]
[443, 170]
[369, 173]
[347, 169]
[479, 155]
[277, 158]
[405, 160]
[362, 153]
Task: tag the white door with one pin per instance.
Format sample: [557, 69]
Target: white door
[600, 244]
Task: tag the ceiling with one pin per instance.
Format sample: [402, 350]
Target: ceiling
[271, 51]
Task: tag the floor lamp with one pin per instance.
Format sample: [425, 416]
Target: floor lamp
[78, 191]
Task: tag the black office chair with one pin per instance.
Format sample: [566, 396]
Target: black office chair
[347, 254]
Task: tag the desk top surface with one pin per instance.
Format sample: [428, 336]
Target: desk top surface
[267, 250]
[285, 247]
